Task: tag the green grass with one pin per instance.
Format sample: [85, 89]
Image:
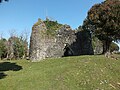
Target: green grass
[68, 73]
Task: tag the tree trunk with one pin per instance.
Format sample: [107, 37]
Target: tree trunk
[106, 46]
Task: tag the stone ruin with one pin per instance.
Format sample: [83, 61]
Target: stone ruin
[65, 42]
[82, 45]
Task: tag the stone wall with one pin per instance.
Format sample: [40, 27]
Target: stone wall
[82, 45]
[44, 46]
[97, 46]
[65, 42]
[37, 39]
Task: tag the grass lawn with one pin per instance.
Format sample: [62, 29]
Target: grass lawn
[68, 73]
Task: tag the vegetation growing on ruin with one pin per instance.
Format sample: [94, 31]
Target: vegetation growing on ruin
[52, 26]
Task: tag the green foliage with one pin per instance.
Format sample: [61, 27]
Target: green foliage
[3, 48]
[38, 22]
[69, 73]
[52, 26]
[19, 47]
[104, 21]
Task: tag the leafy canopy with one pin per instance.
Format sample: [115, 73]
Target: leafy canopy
[105, 18]
[104, 21]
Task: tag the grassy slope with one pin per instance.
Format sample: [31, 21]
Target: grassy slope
[69, 73]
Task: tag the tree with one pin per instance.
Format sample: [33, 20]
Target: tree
[3, 48]
[17, 47]
[104, 21]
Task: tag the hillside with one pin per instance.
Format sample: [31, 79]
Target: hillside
[67, 73]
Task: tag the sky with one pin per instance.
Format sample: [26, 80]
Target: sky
[18, 16]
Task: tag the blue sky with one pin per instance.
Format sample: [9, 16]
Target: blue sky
[20, 15]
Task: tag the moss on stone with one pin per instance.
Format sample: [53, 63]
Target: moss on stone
[52, 27]
[38, 22]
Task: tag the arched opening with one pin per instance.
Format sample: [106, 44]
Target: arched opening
[68, 51]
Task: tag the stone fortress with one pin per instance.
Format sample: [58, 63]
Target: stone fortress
[63, 42]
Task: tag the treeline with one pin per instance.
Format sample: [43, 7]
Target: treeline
[14, 48]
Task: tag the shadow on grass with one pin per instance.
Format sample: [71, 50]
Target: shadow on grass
[2, 75]
[7, 66]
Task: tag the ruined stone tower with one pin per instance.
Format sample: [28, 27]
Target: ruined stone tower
[45, 44]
